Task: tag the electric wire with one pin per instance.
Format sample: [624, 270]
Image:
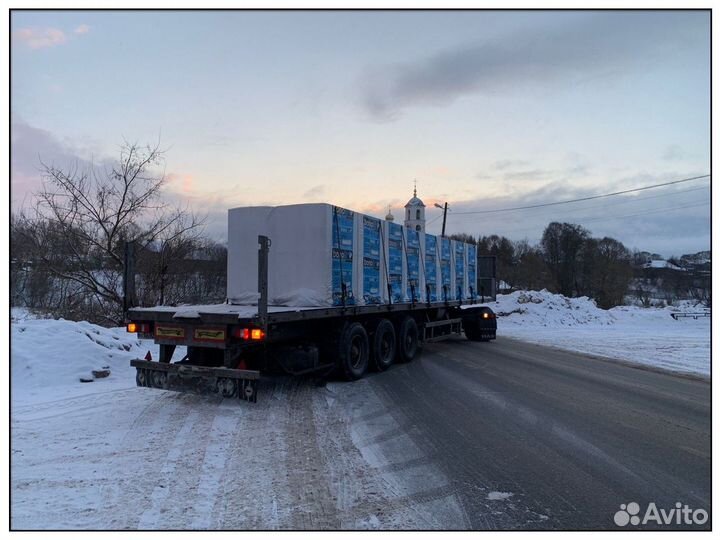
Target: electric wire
[590, 198]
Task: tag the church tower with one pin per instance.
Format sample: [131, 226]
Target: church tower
[415, 213]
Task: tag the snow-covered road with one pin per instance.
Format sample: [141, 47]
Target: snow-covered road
[303, 457]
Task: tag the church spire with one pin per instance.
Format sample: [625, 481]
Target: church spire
[415, 212]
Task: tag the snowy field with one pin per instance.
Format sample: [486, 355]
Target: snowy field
[645, 336]
[108, 455]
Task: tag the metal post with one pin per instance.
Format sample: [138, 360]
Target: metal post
[129, 276]
[444, 219]
[265, 243]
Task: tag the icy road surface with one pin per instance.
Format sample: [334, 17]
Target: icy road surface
[501, 435]
[303, 457]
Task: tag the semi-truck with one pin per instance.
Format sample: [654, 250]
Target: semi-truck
[314, 289]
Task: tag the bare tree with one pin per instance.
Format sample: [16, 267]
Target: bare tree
[96, 210]
[562, 245]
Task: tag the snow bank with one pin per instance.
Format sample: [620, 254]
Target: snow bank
[542, 308]
[48, 358]
[647, 336]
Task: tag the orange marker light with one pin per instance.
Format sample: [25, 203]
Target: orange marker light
[132, 327]
[256, 334]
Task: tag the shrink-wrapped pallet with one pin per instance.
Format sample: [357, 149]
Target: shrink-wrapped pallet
[324, 255]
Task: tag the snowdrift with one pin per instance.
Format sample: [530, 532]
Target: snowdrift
[543, 308]
[48, 358]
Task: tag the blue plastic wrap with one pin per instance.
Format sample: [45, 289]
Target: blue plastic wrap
[371, 261]
[431, 266]
[448, 293]
[459, 270]
[342, 255]
[413, 265]
[395, 257]
[472, 271]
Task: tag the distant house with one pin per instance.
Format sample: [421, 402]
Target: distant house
[504, 287]
[662, 264]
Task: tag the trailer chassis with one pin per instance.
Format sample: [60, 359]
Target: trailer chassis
[224, 358]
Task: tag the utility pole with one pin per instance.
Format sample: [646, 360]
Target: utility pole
[129, 297]
[445, 210]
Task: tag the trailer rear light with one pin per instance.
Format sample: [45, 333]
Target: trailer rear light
[255, 334]
[241, 333]
[142, 328]
[487, 315]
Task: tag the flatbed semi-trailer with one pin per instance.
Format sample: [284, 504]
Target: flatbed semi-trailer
[229, 346]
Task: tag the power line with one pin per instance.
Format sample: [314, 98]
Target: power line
[607, 218]
[433, 220]
[633, 200]
[584, 198]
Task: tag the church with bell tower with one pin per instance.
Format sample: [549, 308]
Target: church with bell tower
[415, 213]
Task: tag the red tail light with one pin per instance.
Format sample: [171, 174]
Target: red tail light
[241, 333]
[254, 334]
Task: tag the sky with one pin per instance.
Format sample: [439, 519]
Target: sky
[486, 110]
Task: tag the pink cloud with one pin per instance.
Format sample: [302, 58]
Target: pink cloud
[82, 29]
[183, 181]
[39, 38]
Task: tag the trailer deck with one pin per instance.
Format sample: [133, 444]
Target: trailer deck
[237, 314]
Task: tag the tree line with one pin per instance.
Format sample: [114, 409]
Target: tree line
[568, 260]
[67, 254]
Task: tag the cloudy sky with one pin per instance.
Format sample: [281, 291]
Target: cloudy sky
[487, 110]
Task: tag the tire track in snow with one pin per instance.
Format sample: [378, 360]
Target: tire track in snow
[255, 490]
[212, 471]
[150, 518]
[139, 460]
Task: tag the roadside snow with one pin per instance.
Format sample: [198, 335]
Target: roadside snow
[646, 336]
[49, 357]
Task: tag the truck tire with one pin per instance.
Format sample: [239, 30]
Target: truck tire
[472, 332]
[383, 346]
[353, 352]
[408, 340]
[479, 324]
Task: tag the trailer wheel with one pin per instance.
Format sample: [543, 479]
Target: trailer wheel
[141, 378]
[353, 352]
[408, 340]
[158, 379]
[226, 387]
[471, 330]
[384, 346]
